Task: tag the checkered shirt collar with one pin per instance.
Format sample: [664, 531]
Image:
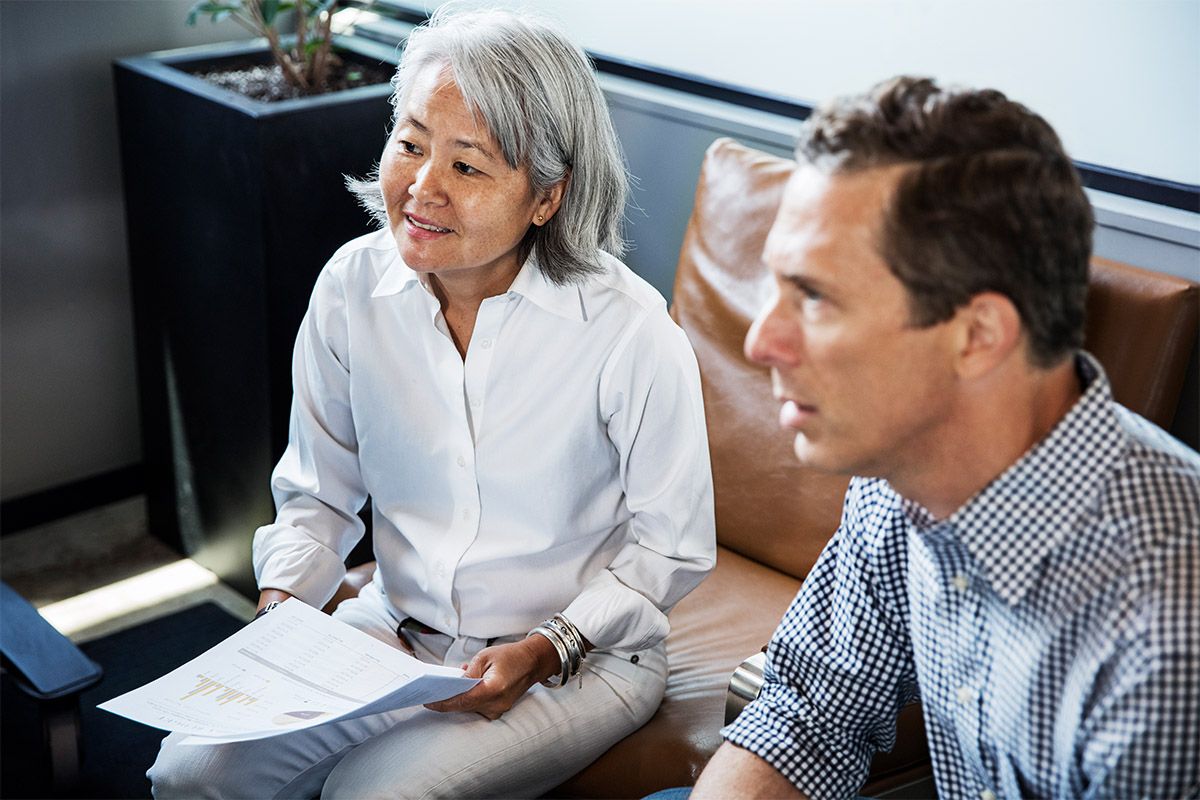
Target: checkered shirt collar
[1015, 522]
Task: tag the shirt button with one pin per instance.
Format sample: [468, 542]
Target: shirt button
[965, 694]
[440, 569]
[466, 513]
[485, 344]
[447, 621]
[960, 582]
[987, 794]
[462, 462]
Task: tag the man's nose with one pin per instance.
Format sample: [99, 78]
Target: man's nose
[771, 340]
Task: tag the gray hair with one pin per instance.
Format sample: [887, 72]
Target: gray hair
[536, 92]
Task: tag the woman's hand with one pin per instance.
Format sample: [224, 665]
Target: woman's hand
[507, 672]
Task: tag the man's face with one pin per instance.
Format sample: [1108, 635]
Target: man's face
[864, 391]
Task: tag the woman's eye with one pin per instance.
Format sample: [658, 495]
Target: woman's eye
[465, 169]
[409, 147]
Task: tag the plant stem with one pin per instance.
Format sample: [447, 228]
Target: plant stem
[277, 52]
[301, 49]
[320, 62]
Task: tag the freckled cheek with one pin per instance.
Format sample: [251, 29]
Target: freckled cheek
[394, 183]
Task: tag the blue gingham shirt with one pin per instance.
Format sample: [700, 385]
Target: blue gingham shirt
[1050, 627]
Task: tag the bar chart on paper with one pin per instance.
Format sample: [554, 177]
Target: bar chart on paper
[292, 669]
[221, 692]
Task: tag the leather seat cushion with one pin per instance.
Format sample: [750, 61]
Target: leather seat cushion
[728, 618]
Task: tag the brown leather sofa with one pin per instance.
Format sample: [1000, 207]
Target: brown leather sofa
[773, 516]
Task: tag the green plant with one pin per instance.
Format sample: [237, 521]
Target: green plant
[305, 62]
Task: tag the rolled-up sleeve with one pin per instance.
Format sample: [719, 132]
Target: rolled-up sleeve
[651, 400]
[317, 484]
[839, 669]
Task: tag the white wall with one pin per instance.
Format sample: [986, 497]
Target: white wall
[1118, 79]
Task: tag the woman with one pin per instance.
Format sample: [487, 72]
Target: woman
[526, 420]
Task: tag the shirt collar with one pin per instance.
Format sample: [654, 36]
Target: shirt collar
[1015, 522]
[530, 283]
[396, 278]
[565, 301]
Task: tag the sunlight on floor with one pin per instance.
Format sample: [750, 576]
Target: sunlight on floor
[104, 572]
[118, 600]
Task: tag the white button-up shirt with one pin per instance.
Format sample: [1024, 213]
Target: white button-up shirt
[562, 466]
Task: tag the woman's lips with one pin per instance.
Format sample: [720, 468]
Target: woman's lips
[793, 415]
[420, 228]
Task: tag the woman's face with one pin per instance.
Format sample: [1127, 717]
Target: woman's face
[453, 203]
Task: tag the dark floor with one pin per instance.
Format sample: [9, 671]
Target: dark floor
[102, 580]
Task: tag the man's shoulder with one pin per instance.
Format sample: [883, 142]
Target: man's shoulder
[871, 498]
[1155, 459]
[1153, 494]
[1151, 446]
[873, 520]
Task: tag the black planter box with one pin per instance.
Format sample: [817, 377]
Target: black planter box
[232, 207]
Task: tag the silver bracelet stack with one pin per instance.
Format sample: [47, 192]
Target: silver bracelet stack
[568, 642]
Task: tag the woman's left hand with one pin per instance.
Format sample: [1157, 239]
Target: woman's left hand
[507, 671]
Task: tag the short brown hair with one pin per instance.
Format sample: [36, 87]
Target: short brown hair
[992, 202]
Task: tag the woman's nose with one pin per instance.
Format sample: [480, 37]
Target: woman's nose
[426, 186]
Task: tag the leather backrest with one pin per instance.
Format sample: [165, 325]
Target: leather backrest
[768, 507]
[1141, 325]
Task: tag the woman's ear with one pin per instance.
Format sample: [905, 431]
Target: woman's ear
[550, 202]
[991, 331]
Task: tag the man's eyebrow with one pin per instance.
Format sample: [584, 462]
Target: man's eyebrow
[804, 283]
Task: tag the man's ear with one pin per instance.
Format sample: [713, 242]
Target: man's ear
[550, 201]
[990, 331]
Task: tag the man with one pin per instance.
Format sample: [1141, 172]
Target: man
[1020, 553]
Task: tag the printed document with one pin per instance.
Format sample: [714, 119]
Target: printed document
[291, 669]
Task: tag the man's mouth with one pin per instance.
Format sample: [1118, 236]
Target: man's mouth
[792, 415]
[426, 226]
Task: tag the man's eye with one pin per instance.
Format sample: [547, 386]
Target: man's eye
[464, 168]
[805, 293]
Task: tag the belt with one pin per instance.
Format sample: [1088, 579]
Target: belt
[415, 625]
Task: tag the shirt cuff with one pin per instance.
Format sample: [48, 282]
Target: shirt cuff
[802, 754]
[611, 616]
[286, 559]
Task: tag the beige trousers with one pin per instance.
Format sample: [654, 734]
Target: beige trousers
[545, 738]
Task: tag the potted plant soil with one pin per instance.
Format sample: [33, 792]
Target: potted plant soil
[233, 204]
